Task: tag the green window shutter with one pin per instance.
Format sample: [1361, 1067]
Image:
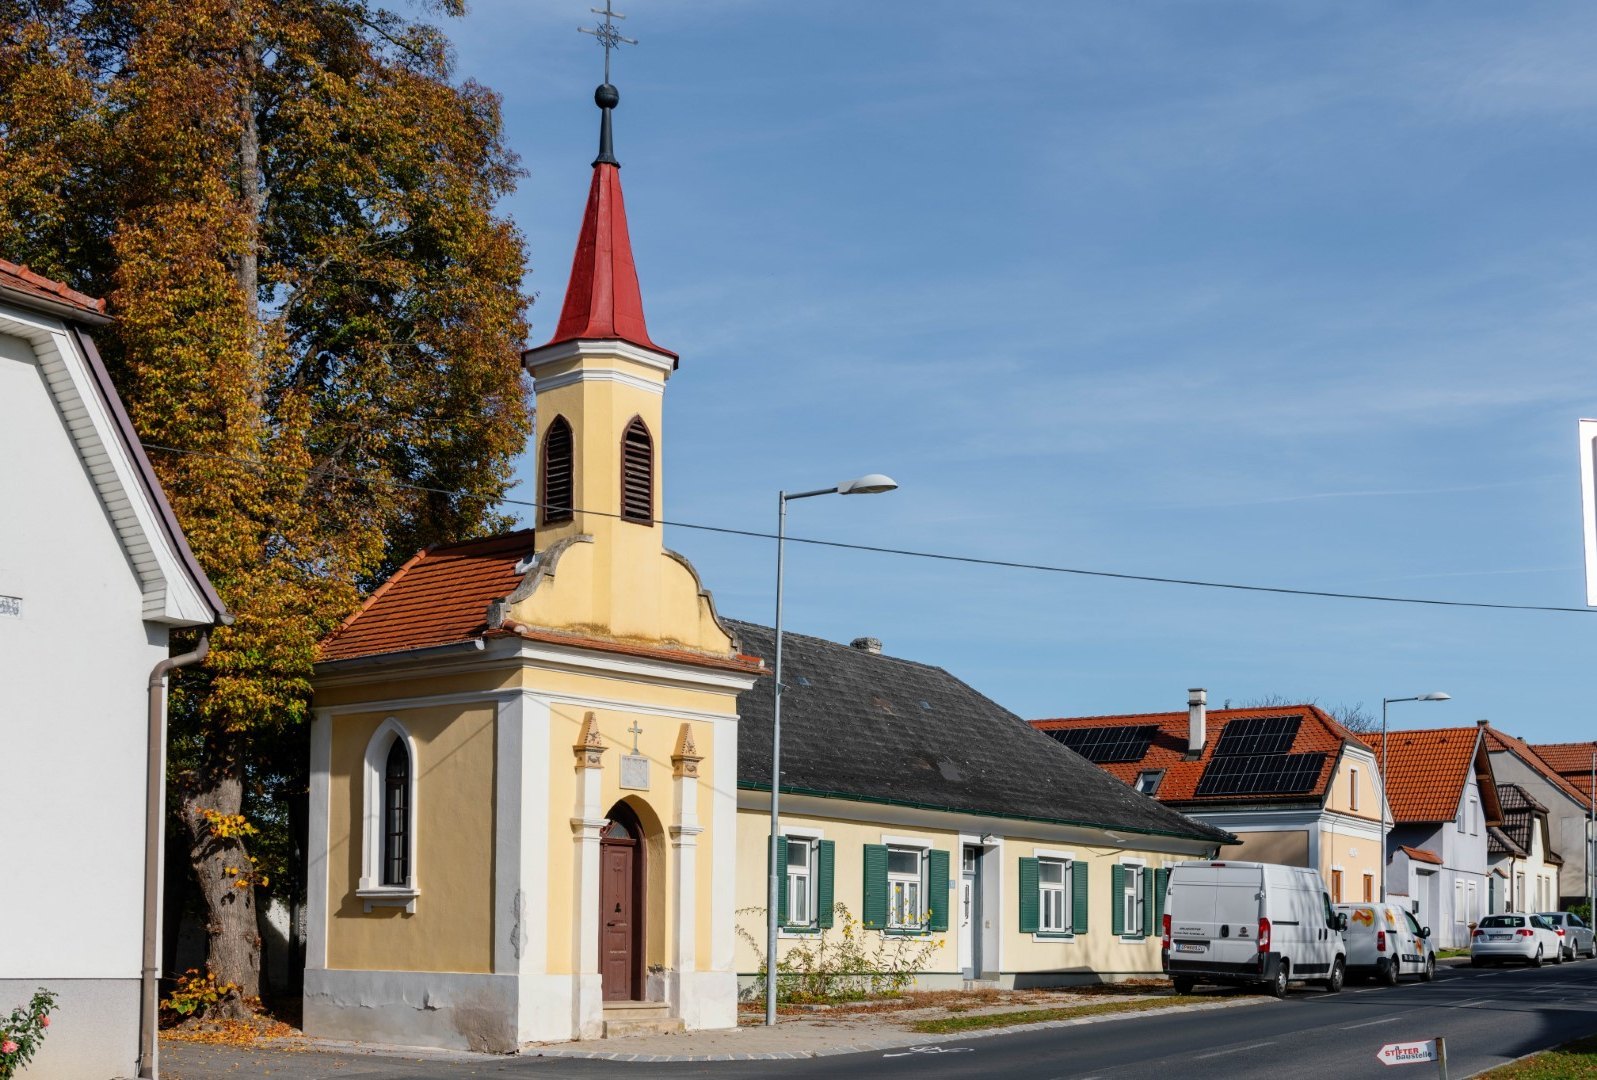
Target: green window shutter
[781, 879]
[874, 915]
[1149, 918]
[1161, 885]
[1030, 897]
[937, 902]
[1078, 897]
[1117, 898]
[824, 861]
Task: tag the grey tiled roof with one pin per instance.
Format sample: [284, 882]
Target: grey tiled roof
[861, 725]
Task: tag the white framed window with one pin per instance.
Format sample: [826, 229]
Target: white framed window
[1352, 789]
[801, 879]
[1132, 909]
[1148, 781]
[388, 836]
[1474, 817]
[906, 888]
[1053, 887]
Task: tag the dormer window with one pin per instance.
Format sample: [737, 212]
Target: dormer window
[559, 473]
[637, 473]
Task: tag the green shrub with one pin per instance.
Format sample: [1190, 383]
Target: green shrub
[844, 962]
[22, 1032]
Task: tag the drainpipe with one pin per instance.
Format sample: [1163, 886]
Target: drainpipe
[154, 836]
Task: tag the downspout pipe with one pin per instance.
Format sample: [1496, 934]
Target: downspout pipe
[154, 843]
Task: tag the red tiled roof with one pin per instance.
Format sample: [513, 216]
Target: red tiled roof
[20, 279]
[440, 596]
[1168, 750]
[1426, 771]
[1500, 741]
[1419, 854]
[1572, 760]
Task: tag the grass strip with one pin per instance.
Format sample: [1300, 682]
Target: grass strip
[1573, 1061]
[981, 1021]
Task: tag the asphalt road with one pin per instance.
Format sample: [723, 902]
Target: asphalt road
[1487, 1017]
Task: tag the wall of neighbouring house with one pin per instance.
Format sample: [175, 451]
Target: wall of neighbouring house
[1289, 847]
[73, 797]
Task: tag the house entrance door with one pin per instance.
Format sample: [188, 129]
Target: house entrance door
[620, 907]
[970, 918]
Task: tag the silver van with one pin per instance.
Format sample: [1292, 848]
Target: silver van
[1384, 943]
[1255, 924]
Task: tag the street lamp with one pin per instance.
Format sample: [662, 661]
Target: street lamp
[1436, 696]
[870, 484]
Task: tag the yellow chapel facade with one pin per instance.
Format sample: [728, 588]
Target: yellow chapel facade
[523, 814]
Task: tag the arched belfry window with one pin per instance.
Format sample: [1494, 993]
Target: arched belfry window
[396, 815]
[637, 473]
[559, 473]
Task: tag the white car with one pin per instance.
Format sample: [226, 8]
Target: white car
[1577, 935]
[1515, 935]
[1384, 943]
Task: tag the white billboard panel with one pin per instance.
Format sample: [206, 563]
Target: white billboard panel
[1588, 503]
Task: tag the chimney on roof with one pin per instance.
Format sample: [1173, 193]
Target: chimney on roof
[867, 644]
[1197, 720]
[1482, 723]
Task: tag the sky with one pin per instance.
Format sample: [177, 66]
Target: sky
[1292, 294]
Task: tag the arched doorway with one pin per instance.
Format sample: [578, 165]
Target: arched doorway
[622, 874]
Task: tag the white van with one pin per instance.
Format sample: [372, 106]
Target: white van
[1384, 943]
[1252, 924]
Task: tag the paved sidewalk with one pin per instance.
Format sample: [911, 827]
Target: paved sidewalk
[823, 1036]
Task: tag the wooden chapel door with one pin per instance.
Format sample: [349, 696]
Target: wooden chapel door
[619, 915]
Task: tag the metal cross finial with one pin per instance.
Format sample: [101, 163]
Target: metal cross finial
[636, 731]
[609, 37]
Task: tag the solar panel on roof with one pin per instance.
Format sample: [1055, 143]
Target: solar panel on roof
[1260, 774]
[1258, 735]
[1108, 745]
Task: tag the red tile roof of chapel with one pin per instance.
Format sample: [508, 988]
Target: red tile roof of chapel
[1317, 733]
[440, 596]
[1426, 771]
[19, 278]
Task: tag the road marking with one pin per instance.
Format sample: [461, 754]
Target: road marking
[1372, 1023]
[1237, 1050]
[1467, 1004]
[932, 1050]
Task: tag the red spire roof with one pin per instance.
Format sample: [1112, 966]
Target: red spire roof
[603, 301]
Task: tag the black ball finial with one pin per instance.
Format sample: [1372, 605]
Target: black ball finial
[607, 96]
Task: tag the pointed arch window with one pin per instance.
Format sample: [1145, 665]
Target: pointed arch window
[559, 472]
[396, 815]
[637, 473]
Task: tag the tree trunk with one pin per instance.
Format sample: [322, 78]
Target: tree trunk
[216, 851]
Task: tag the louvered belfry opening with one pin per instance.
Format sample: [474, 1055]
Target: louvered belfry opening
[637, 473]
[558, 473]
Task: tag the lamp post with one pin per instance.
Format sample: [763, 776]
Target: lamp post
[871, 484]
[1437, 696]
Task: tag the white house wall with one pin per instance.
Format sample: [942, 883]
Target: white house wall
[71, 899]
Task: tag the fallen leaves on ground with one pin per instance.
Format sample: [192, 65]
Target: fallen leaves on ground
[249, 1032]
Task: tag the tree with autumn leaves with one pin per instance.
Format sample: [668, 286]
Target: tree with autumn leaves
[290, 208]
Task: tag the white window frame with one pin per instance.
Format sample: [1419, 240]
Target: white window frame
[1062, 927]
[813, 835]
[1353, 787]
[1132, 901]
[899, 882]
[1474, 816]
[806, 881]
[1154, 777]
[370, 887]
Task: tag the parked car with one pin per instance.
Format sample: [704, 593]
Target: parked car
[1577, 935]
[1384, 943]
[1515, 935]
[1248, 923]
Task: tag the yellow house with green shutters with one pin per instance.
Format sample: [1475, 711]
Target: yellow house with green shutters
[932, 815]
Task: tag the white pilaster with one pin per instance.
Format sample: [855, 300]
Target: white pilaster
[685, 830]
[587, 1019]
[316, 900]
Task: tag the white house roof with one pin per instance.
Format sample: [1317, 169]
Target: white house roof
[52, 318]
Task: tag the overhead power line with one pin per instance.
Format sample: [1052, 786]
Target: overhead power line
[970, 560]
